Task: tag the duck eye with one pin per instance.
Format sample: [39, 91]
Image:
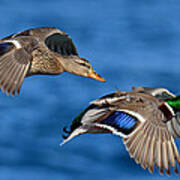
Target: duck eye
[84, 64]
[166, 96]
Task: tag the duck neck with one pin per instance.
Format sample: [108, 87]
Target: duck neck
[67, 64]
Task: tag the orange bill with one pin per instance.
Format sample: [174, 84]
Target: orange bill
[96, 76]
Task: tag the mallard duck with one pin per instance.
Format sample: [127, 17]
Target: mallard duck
[45, 50]
[148, 120]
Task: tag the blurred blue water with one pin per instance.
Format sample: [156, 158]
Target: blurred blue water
[130, 43]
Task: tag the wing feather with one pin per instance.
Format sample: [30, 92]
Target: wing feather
[155, 146]
[171, 157]
[61, 44]
[15, 80]
[4, 75]
[25, 69]
[133, 143]
[8, 77]
[175, 151]
[141, 147]
[152, 151]
[146, 148]
[165, 153]
[10, 69]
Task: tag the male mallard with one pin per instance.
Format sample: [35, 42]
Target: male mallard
[147, 119]
[45, 50]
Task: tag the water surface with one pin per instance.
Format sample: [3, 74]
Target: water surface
[130, 43]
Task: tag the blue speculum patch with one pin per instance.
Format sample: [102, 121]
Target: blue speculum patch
[121, 121]
[5, 47]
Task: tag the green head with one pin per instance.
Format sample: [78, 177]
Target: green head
[175, 102]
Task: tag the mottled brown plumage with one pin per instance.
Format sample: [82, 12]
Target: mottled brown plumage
[45, 50]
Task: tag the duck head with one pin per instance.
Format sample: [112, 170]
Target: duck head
[79, 66]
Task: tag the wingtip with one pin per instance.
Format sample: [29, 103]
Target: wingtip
[168, 172]
[151, 169]
[176, 170]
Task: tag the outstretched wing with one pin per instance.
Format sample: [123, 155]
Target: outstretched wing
[142, 125]
[61, 44]
[15, 59]
[147, 142]
[55, 39]
[152, 144]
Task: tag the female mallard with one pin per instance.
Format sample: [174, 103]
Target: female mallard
[45, 50]
[147, 119]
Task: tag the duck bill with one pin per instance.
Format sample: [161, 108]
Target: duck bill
[96, 76]
[75, 133]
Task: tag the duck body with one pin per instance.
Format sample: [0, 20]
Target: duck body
[144, 121]
[42, 60]
[45, 50]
